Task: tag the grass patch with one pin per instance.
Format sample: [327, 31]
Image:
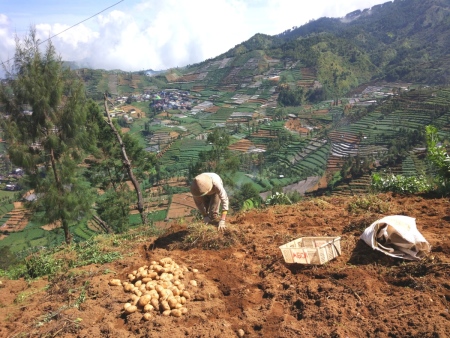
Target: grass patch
[207, 237]
[368, 203]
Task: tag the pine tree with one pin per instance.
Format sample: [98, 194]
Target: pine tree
[44, 121]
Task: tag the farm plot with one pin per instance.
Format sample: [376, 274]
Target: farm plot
[242, 145]
[221, 116]
[183, 152]
[181, 206]
[335, 163]
[16, 219]
[312, 161]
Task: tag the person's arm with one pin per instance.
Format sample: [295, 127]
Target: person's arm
[225, 203]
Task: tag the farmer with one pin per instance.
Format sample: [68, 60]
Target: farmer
[208, 192]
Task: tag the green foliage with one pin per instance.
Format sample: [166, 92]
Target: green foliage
[337, 177]
[245, 196]
[218, 159]
[49, 262]
[290, 96]
[279, 198]
[400, 184]
[157, 216]
[113, 207]
[7, 258]
[439, 158]
[49, 142]
[90, 252]
[365, 203]
[42, 264]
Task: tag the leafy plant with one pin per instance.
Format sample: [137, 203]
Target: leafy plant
[439, 158]
[279, 198]
[366, 203]
[41, 264]
[400, 184]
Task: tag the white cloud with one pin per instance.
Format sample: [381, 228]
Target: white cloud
[171, 33]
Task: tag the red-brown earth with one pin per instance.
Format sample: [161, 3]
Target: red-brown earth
[244, 287]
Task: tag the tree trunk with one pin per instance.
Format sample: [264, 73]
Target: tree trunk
[103, 224]
[127, 165]
[67, 235]
[65, 224]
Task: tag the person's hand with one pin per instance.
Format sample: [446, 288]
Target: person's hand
[206, 220]
[222, 225]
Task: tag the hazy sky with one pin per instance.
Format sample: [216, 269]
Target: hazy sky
[148, 34]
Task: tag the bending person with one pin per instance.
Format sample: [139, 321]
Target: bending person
[208, 192]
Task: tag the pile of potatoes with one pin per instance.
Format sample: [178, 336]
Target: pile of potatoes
[157, 288]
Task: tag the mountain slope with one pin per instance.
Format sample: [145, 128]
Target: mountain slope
[247, 286]
[404, 40]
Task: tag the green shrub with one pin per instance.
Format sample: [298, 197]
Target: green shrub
[278, 198]
[439, 159]
[400, 184]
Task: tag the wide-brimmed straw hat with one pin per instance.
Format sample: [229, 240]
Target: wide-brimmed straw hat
[201, 185]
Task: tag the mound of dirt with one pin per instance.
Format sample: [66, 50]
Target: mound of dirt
[248, 290]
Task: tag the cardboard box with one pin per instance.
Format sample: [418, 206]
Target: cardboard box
[311, 250]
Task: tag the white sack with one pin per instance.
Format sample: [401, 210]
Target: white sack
[397, 236]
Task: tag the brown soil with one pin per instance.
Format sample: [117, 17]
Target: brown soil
[247, 286]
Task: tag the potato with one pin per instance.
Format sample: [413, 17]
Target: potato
[194, 270]
[154, 263]
[186, 294]
[126, 305]
[183, 300]
[176, 283]
[172, 302]
[130, 309]
[131, 277]
[142, 288]
[166, 313]
[164, 294]
[128, 287]
[134, 299]
[155, 303]
[144, 300]
[159, 288]
[152, 274]
[147, 316]
[175, 313]
[175, 290]
[148, 308]
[115, 282]
[154, 294]
[164, 305]
[138, 283]
[165, 260]
[178, 306]
[193, 282]
[184, 310]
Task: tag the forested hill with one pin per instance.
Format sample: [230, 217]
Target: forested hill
[398, 41]
[405, 40]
